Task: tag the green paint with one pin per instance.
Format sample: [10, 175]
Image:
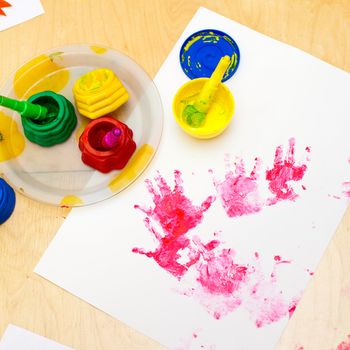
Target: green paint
[193, 117]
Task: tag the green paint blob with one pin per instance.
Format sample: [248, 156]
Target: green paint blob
[193, 117]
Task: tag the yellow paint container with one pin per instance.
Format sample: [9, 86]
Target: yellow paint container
[98, 93]
[219, 114]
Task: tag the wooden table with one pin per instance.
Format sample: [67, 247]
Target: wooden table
[146, 30]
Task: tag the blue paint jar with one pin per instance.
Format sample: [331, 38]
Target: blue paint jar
[202, 51]
[7, 200]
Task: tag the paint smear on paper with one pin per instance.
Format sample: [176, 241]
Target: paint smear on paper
[283, 174]
[176, 215]
[223, 285]
[219, 279]
[344, 345]
[239, 191]
[346, 186]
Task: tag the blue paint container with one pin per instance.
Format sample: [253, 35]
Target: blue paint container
[202, 51]
[7, 201]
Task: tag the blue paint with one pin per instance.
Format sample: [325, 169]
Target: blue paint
[7, 201]
[201, 52]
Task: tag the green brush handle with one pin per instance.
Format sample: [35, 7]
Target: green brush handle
[26, 109]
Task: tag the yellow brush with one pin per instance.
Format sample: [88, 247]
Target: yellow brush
[194, 114]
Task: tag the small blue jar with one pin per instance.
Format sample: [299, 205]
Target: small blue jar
[7, 200]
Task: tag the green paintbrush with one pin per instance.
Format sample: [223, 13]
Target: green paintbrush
[26, 109]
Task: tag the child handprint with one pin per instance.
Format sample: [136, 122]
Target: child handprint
[283, 171]
[239, 192]
[176, 214]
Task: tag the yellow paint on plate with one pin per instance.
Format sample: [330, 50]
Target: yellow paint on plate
[70, 201]
[12, 142]
[99, 50]
[40, 74]
[219, 114]
[134, 167]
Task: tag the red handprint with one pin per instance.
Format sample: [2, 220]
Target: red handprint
[176, 214]
[283, 171]
[239, 192]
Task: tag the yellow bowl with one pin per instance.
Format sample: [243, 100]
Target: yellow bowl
[219, 115]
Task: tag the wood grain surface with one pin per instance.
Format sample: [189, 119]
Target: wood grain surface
[146, 30]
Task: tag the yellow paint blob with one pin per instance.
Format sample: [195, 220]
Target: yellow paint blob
[12, 142]
[40, 74]
[70, 201]
[134, 167]
[99, 50]
[219, 114]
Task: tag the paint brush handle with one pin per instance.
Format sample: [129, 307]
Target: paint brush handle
[26, 109]
[208, 91]
[111, 139]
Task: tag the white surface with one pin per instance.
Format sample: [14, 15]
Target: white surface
[20, 11]
[16, 338]
[280, 92]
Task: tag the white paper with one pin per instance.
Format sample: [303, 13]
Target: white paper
[280, 92]
[16, 338]
[19, 11]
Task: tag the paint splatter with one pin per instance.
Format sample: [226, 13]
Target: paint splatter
[346, 189]
[219, 279]
[176, 214]
[283, 172]
[239, 192]
[223, 285]
[264, 301]
[344, 345]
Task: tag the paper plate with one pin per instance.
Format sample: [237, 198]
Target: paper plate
[56, 175]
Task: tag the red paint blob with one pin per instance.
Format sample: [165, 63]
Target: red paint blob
[284, 171]
[344, 345]
[176, 214]
[239, 192]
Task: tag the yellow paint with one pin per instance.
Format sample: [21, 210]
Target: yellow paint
[40, 74]
[134, 167]
[98, 93]
[71, 201]
[83, 123]
[12, 142]
[99, 50]
[219, 114]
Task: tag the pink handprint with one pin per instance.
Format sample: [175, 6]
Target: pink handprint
[176, 214]
[283, 171]
[239, 192]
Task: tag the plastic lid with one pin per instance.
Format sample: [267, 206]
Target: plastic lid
[202, 51]
[7, 201]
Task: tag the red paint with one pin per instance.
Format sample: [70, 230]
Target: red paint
[93, 152]
[225, 285]
[346, 191]
[3, 4]
[283, 172]
[176, 214]
[219, 274]
[344, 345]
[239, 192]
